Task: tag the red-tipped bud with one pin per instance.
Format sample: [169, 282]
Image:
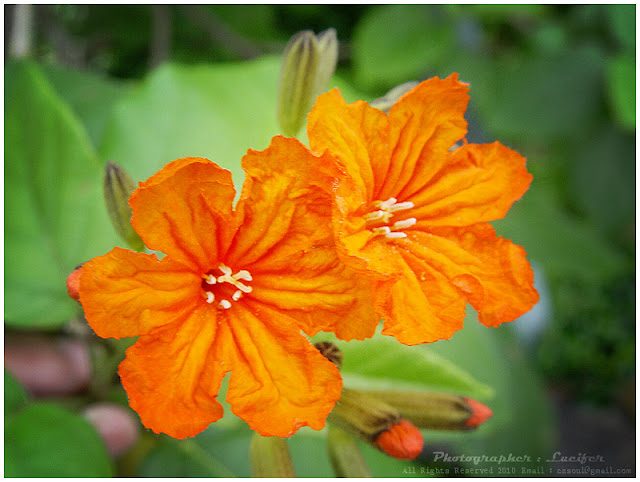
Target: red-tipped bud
[402, 441]
[73, 284]
[481, 413]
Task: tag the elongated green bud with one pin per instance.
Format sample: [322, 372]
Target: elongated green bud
[345, 455]
[270, 457]
[118, 186]
[385, 102]
[308, 63]
[440, 411]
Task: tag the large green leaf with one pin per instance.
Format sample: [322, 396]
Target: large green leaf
[621, 84]
[217, 112]
[54, 212]
[15, 396]
[565, 246]
[396, 43]
[382, 362]
[90, 96]
[44, 440]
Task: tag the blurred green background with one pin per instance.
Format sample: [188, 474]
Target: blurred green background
[143, 85]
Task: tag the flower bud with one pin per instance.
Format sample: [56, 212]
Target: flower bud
[385, 102]
[330, 351]
[345, 455]
[366, 417]
[73, 283]
[118, 186]
[439, 411]
[308, 63]
[270, 457]
[402, 441]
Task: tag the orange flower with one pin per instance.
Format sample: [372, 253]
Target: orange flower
[231, 295]
[411, 210]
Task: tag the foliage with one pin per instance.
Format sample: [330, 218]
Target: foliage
[554, 82]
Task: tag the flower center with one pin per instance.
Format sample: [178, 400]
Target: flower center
[378, 220]
[220, 293]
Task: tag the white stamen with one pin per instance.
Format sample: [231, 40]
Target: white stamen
[237, 295]
[384, 230]
[372, 216]
[210, 296]
[384, 205]
[242, 274]
[405, 223]
[210, 279]
[225, 304]
[401, 206]
[398, 234]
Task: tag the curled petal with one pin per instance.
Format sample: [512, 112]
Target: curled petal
[357, 135]
[491, 272]
[128, 294]
[279, 381]
[424, 124]
[285, 206]
[185, 211]
[479, 183]
[422, 306]
[321, 293]
[172, 375]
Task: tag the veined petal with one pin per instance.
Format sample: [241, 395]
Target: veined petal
[421, 306]
[320, 293]
[279, 381]
[424, 124]
[285, 205]
[185, 211]
[479, 183]
[128, 294]
[358, 136]
[491, 272]
[172, 375]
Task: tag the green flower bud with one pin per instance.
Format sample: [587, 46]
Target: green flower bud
[308, 63]
[385, 102]
[118, 186]
[345, 455]
[440, 411]
[270, 457]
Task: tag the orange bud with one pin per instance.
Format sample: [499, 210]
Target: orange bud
[481, 413]
[73, 284]
[402, 441]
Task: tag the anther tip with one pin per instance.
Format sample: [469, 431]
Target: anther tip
[480, 413]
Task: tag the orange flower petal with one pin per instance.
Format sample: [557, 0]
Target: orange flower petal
[279, 381]
[422, 306]
[358, 136]
[128, 294]
[284, 207]
[479, 183]
[172, 375]
[491, 272]
[185, 211]
[424, 124]
[321, 293]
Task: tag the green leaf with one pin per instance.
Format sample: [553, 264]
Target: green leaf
[563, 245]
[538, 97]
[15, 396]
[54, 212]
[217, 112]
[396, 43]
[182, 458]
[622, 23]
[382, 362]
[44, 440]
[621, 86]
[89, 95]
